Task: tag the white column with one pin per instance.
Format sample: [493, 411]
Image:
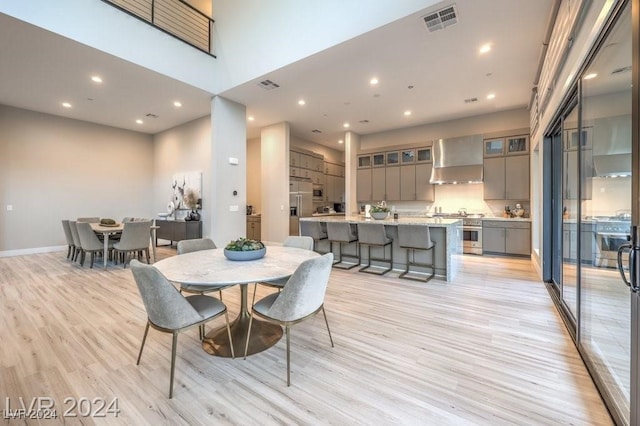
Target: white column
[274, 164]
[351, 148]
[228, 197]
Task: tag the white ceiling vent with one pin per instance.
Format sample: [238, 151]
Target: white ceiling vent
[441, 19]
[268, 85]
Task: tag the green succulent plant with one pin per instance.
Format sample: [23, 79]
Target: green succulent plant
[244, 244]
[381, 207]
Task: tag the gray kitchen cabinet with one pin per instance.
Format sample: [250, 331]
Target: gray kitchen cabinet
[363, 185]
[506, 178]
[378, 184]
[254, 227]
[425, 191]
[408, 182]
[334, 189]
[517, 177]
[570, 183]
[570, 241]
[508, 238]
[392, 184]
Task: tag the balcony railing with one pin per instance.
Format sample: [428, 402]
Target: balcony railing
[174, 17]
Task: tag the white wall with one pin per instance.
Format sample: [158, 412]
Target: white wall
[110, 30]
[305, 28]
[185, 148]
[54, 168]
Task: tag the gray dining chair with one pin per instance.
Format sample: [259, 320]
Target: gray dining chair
[90, 242]
[69, 237]
[76, 240]
[301, 298]
[169, 311]
[198, 244]
[134, 240]
[303, 242]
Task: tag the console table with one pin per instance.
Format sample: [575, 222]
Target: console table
[178, 230]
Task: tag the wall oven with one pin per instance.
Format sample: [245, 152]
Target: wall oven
[318, 193]
[472, 236]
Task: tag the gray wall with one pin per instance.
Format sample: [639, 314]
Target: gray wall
[54, 168]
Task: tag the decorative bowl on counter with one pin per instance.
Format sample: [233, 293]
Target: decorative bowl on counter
[379, 215]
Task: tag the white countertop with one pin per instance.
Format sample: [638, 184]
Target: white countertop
[407, 220]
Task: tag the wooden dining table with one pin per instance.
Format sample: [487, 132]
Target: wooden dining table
[209, 268]
[106, 231]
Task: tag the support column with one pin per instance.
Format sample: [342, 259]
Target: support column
[228, 146]
[274, 162]
[351, 149]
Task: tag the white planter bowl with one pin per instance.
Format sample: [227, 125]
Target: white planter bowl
[379, 215]
[245, 255]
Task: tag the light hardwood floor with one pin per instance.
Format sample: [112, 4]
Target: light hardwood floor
[487, 349]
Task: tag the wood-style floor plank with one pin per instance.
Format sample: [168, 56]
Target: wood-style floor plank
[487, 349]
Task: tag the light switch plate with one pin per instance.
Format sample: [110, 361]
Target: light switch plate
[9, 207]
[233, 208]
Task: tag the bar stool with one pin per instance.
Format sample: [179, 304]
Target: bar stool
[417, 237]
[343, 233]
[314, 230]
[373, 234]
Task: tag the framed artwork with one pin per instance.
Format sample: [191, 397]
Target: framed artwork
[182, 184]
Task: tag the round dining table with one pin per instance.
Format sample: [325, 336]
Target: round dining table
[210, 268]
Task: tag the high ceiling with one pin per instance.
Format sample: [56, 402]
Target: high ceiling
[430, 74]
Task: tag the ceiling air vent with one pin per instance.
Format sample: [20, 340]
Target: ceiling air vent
[268, 85]
[151, 115]
[470, 100]
[441, 19]
[316, 131]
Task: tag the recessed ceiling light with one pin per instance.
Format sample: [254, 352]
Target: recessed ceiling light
[590, 76]
[407, 113]
[96, 79]
[491, 96]
[250, 118]
[139, 121]
[485, 48]
[301, 102]
[340, 141]
[345, 125]
[177, 104]
[374, 81]
[66, 104]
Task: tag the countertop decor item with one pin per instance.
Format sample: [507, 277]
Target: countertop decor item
[107, 222]
[379, 211]
[244, 249]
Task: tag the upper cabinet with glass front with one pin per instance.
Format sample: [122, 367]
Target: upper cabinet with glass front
[378, 160]
[364, 161]
[513, 145]
[407, 156]
[423, 155]
[516, 145]
[393, 158]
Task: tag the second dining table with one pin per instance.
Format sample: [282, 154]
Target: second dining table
[209, 268]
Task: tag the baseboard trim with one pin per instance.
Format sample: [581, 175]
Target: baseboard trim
[36, 250]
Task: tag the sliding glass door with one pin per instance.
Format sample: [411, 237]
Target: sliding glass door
[593, 210]
[605, 327]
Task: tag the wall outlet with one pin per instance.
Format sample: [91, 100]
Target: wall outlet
[233, 208]
[9, 207]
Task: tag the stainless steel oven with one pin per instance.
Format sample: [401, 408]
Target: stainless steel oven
[610, 235]
[472, 236]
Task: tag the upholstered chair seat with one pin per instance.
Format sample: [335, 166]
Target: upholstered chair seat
[343, 233]
[412, 238]
[374, 234]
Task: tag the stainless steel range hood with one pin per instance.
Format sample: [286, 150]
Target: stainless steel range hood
[457, 160]
[613, 165]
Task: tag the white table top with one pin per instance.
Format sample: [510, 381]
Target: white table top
[210, 267]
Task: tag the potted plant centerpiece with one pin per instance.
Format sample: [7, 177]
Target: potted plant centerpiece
[244, 249]
[380, 210]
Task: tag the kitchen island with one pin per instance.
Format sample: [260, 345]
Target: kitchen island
[446, 233]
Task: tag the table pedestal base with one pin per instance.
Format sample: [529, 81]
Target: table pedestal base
[263, 335]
